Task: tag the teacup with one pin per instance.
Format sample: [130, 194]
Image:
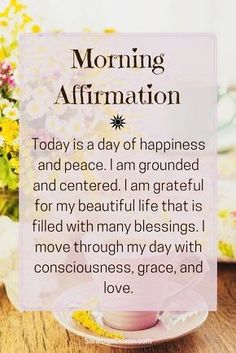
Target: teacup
[130, 320]
[153, 290]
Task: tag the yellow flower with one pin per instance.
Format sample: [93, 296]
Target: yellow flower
[35, 29]
[223, 213]
[4, 23]
[2, 54]
[18, 6]
[14, 163]
[5, 12]
[26, 18]
[85, 319]
[109, 30]
[226, 249]
[13, 64]
[8, 130]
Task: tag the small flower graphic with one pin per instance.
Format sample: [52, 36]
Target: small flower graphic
[117, 122]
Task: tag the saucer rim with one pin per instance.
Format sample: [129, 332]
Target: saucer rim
[125, 343]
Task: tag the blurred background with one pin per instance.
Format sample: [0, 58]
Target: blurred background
[213, 16]
[147, 16]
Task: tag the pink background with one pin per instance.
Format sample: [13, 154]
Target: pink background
[189, 68]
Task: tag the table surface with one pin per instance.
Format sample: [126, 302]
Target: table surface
[217, 335]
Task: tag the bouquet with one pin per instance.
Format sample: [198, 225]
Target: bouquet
[13, 21]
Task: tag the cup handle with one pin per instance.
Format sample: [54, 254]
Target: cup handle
[194, 281]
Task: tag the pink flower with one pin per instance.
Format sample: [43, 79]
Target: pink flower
[6, 75]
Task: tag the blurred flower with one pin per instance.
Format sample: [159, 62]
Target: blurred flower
[10, 113]
[12, 286]
[4, 103]
[226, 249]
[227, 220]
[2, 141]
[6, 76]
[35, 29]
[35, 109]
[14, 19]
[26, 93]
[14, 162]
[8, 130]
[226, 109]
[109, 30]
[223, 213]
[9, 244]
[85, 319]
[42, 92]
[9, 259]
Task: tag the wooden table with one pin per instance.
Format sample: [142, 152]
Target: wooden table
[37, 332]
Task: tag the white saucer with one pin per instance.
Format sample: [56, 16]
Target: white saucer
[134, 339]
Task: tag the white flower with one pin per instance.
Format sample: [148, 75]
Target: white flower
[226, 109]
[41, 93]
[75, 127]
[59, 109]
[2, 141]
[65, 128]
[9, 274]
[4, 103]
[9, 245]
[35, 109]
[55, 126]
[11, 113]
[15, 94]
[25, 93]
[12, 288]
